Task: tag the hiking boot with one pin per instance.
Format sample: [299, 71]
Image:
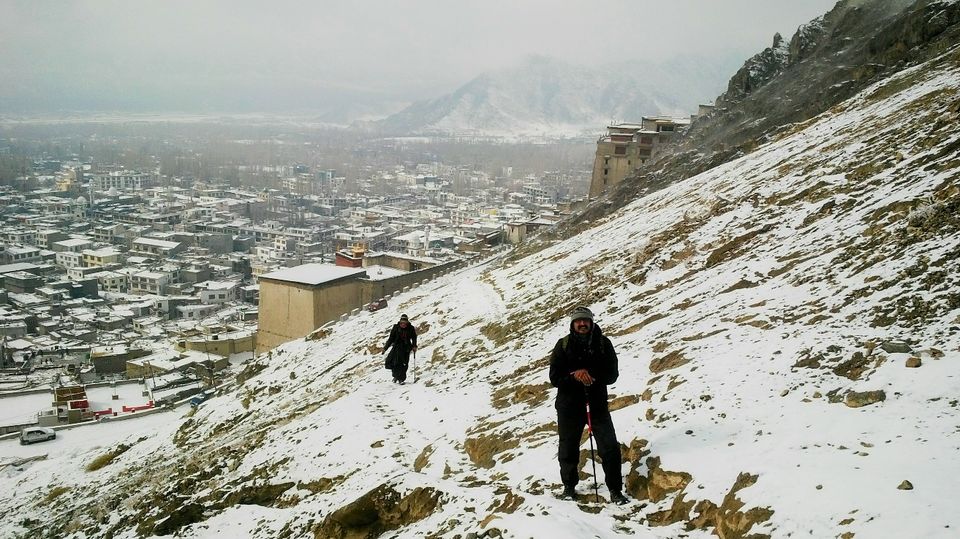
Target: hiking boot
[618, 498]
[569, 493]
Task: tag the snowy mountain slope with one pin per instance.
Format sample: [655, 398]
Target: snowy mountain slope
[544, 96]
[749, 305]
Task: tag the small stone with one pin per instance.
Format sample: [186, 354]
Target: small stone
[784, 392]
[689, 432]
[817, 395]
[819, 487]
[913, 362]
[936, 353]
[906, 485]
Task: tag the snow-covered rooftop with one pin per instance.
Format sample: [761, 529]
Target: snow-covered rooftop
[313, 274]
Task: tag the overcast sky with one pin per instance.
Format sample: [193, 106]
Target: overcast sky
[124, 54]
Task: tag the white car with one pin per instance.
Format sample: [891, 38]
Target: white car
[32, 435]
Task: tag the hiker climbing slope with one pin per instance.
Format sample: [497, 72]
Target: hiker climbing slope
[403, 337]
[582, 365]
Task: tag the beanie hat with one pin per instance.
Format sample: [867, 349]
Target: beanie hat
[581, 312]
[403, 318]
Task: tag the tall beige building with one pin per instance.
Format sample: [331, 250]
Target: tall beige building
[295, 301]
[626, 146]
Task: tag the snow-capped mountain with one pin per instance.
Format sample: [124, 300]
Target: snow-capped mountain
[547, 97]
[788, 330]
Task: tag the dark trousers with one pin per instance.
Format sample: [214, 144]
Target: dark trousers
[570, 424]
[399, 369]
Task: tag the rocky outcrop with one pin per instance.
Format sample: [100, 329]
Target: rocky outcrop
[757, 71]
[378, 511]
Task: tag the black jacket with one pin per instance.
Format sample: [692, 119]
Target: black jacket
[597, 356]
[403, 340]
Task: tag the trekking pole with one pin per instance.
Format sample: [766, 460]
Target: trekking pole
[593, 456]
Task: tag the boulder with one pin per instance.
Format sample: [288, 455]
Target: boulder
[896, 347]
[913, 362]
[905, 485]
[856, 399]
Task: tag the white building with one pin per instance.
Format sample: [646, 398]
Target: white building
[216, 292]
[122, 180]
[149, 282]
[69, 259]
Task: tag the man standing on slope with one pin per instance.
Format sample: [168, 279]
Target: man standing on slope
[403, 337]
[583, 364]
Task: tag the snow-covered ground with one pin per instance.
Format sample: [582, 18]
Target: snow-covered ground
[749, 305]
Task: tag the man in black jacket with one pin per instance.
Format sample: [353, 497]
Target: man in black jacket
[583, 364]
[403, 337]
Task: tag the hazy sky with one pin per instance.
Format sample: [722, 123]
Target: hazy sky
[175, 54]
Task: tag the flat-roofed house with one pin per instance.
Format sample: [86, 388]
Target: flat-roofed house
[295, 301]
[157, 247]
[96, 258]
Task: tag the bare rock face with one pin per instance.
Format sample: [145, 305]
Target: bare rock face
[657, 483]
[482, 449]
[669, 361]
[856, 399]
[757, 71]
[729, 520]
[378, 511]
[854, 367]
[679, 511]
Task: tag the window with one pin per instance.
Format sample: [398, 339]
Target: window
[620, 150]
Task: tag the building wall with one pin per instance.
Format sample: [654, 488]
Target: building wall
[286, 313]
[223, 347]
[289, 311]
[610, 169]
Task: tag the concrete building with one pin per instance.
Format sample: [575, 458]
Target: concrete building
[112, 281]
[295, 301]
[125, 180]
[69, 259]
[17, 254]
[156, 247]
[46, 238]
[627, 146]
[96, 258]
[149, 282]
[73, 245]
[216, 292]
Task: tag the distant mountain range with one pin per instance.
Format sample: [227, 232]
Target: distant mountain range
[547, 97]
